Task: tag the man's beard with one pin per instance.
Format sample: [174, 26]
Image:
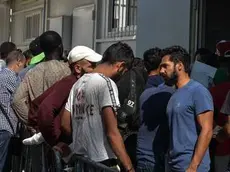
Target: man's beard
[172, 80]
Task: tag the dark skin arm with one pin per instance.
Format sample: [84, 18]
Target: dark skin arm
[205, 120]
[114, 137]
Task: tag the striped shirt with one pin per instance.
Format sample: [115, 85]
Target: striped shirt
[8, 84]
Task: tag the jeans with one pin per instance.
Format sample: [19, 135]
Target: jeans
[5, 137]
[146, 167]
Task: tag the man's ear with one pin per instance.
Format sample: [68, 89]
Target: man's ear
[77, 68]
[179, 66]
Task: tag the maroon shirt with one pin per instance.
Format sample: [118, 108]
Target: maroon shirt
[45, 110]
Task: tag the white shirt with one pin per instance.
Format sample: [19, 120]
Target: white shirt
[226, 105]
[89, 95]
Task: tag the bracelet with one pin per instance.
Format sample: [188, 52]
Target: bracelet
[129, 169]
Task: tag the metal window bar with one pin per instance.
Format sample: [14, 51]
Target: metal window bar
[122, 18]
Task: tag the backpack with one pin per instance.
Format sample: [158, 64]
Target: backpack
[128, 115]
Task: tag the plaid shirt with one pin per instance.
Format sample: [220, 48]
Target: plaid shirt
[8, 83]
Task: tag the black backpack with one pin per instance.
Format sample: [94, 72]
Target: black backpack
[128, 115]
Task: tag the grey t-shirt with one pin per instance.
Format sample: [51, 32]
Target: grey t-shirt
[89, 95]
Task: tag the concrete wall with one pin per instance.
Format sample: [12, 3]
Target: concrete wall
[20, 10]
[65, 7]
[162, 23]
[4, 26]
[19, 5]
[56, 9]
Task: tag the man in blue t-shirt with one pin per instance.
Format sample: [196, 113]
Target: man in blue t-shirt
[190, 114]
[153, 134]
[152, 59]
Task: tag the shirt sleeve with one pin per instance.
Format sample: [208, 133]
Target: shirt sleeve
[108, 95]
[202, 100]
[225, 109]
[20, 102]
[69, 103]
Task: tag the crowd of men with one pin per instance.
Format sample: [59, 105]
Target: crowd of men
[127, 113]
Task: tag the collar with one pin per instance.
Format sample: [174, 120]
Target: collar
[37, 59]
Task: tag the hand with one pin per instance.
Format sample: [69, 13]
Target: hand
[191, 169]
[130, 170]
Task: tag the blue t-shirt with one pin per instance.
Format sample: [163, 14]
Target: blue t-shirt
[184, 106]
[154, 81]
[153, 135]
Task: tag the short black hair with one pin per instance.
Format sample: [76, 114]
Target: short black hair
[138, 62]
[35, 47]
[208, 57]
[50, 42]
[119, 52]
[6, 48]
[152, 59]
[178, 54]
[28, 54]
[14, 56]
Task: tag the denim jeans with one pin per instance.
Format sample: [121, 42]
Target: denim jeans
[146, 167]
[4, 143]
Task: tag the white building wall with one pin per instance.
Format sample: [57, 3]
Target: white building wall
[66, 7]
[4, 26]
[22, 8]
[61, 18]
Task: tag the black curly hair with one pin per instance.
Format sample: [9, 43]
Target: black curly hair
[152, 59]
[178, 54]
[119, 52]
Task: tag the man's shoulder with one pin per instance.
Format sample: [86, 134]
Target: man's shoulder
[100, 79]
[160, 88]
[155, 90]
[197, 87]
[50, 64]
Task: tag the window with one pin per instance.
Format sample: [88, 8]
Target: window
[32, 26]
[122, 18]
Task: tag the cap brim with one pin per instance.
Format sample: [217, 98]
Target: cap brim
[94, 58]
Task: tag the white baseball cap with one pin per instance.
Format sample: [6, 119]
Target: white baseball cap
[82, 52]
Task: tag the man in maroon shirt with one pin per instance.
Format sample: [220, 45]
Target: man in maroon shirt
[220, 146]
[44, 111]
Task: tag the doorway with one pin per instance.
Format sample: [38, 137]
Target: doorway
[214, 23]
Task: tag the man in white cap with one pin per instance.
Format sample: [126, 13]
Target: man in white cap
[44, 112]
